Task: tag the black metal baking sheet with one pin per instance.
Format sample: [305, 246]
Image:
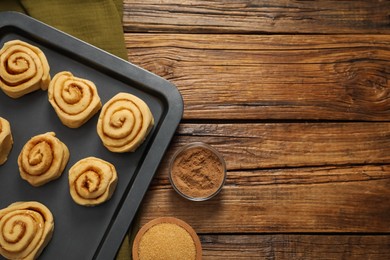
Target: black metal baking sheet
[81, 232]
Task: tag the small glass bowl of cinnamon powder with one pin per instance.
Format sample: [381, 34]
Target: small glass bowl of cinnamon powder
[197, 171]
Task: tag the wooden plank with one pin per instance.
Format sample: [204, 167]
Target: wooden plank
[292, 246]
[305, 77]
[291, 177]
[278, 145]
[345, 199]
[265, 16]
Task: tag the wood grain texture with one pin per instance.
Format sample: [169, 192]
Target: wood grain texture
[277, 145]
[271, 186]
[292, 246]
[260, 16]
[252, 77]
[296, 97]
[285, 201]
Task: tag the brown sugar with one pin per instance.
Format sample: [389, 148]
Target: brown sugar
[166, 241]
[166, 238]
[197, 172]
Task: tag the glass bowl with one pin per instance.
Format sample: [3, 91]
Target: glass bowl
[197, 171]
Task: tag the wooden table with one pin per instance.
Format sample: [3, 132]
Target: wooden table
[296, 96]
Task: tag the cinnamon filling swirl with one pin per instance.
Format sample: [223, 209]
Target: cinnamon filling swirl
[25, 230]
[43, 159]
[124, 123]
[23, 69]
[92, 181]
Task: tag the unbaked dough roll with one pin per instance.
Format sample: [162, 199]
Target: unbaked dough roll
[124, 123]
[75, 100]
[23, 69]
[25, 230]
[6, 140]
[43, 159]
[92, 181]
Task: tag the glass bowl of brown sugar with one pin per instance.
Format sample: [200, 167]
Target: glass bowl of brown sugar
[197, 171]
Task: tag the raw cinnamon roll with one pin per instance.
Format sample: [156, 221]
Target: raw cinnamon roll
[92, 181]
[25, 230]
[23, 69]
[43, 159]
[6, 140]
[124, 123]
[74, 99]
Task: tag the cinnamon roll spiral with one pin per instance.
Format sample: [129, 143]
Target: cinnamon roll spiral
[25, 230]
[75, 100]
[6, 140]
[92, 181]
[43, 159]
[23, 69]
[124, 123]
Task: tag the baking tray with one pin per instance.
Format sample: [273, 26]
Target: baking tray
[81, 232]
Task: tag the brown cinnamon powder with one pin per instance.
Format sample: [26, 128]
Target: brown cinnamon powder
[197, 172]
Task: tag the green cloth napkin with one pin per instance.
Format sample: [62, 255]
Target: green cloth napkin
[98, 22]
